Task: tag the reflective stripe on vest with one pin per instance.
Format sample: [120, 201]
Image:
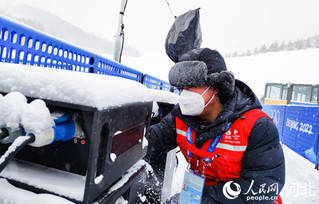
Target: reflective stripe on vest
[213, 143]
[180, 132]
[219, 145]
[231, 147]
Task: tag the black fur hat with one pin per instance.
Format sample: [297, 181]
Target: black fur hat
[213, 60]
[200, 67]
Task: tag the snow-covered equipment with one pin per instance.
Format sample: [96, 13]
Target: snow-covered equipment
[112, 143]
[64, 129]
[93, 151]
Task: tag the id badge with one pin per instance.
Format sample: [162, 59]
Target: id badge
[192, 188]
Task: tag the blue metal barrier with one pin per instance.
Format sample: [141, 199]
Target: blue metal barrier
[277, 113]
[302, 104]
[154, 83]
[22, 45]
[298, 127]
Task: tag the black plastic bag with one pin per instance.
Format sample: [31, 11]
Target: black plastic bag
[184, 35]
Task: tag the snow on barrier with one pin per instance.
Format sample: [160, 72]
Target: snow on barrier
[22, 45]
[298, 128]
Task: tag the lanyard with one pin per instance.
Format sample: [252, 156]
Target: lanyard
[212, 145]
[189, 140]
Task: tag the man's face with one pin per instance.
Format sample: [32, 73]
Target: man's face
[197, 101]
[207, 96]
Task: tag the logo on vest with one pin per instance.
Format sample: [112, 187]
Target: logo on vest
[229, 192]
[235, 136]
[232, 136]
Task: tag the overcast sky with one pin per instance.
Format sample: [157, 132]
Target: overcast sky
[227, 25]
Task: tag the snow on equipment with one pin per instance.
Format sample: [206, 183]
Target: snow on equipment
[86, 142]
[118, 131]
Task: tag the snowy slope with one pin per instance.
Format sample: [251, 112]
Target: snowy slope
[302, 180]
[298, 66]
[52, 24]
[256, 70]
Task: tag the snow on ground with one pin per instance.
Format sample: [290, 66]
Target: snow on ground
[302, 180]
[281, 67]
[93, 90]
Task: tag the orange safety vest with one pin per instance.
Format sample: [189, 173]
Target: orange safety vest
[231, 148]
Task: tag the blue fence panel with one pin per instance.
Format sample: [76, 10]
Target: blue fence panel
[298, 128]
[22, 45]
[302, 104]
[155, 83]
[277, 113]
[301, 131]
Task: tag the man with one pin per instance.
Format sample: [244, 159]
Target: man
[221, 130]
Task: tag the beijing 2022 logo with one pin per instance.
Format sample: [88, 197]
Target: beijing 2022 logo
[229, 192]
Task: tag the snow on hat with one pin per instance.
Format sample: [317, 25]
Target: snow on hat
[200, 67]
[188, 74]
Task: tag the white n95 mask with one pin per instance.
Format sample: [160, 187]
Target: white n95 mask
[192, 103]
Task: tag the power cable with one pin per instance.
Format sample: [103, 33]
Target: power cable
[122, 33]
[170, 9]
[14, 148]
